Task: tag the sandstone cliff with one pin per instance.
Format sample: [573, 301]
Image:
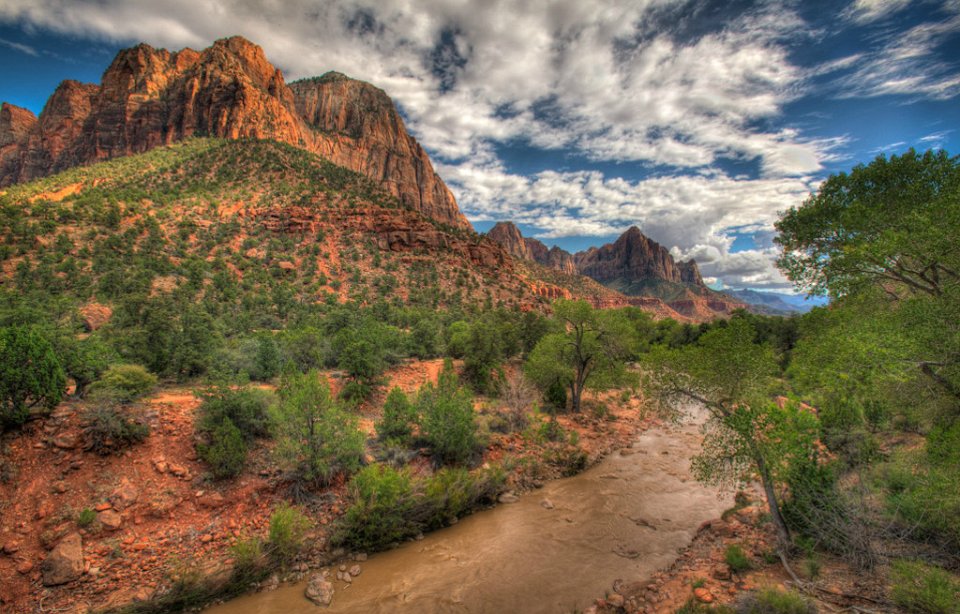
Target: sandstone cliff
[508, 235]
[150, 97]
[635, 257]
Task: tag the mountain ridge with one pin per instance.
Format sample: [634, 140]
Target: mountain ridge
[151, 97]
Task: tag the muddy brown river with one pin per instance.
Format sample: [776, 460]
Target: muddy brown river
[623, 518]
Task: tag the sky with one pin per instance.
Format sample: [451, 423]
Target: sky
[697, 121]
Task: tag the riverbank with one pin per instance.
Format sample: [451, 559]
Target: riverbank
[135, 523]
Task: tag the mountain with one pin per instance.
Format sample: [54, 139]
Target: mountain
[153, 97]
[634, 265]
[508, 235]
[776, 303]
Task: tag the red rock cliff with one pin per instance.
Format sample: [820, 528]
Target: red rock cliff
[150, 97]
[635, 257]
[508, 235]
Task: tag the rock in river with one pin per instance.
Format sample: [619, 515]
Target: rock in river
[319, 590]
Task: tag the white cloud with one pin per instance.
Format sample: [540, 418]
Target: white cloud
[27, 49]
[867, 11]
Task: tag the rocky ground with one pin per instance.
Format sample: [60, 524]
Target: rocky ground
[153, 511]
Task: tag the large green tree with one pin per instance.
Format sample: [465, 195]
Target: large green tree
[590, 351]
[30, 374]
[893, 222]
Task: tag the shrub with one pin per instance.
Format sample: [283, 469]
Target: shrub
[918, 587]
[86, 517]
[249, 559]
[316, 439]
[226, 453]
[288, 530]
[30, 374]
[109, 429]
[399, 416]
[381, 511]
[448, 424]
[773, 601]
[125, 383]
[517, 394]
[247, 408]
[737, 559]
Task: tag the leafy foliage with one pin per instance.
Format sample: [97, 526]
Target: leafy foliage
[447, 419]
[30, 374]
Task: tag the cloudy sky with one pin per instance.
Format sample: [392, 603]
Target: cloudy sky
[695, 120]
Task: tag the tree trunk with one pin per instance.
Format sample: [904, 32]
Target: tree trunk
[783, 533]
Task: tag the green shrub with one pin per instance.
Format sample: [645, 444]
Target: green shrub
[86, 517]
[737, 559]
[249, 559]
[773, 601]
[125, 382]
[30, 374]
[226, 452]
[247, 408]
[383, 500]
[447, 421]
[109, 429]
[918, 587]
[288, 530]
[316, 439]
[399, 416]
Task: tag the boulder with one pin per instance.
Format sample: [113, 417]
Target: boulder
[110, 519]
[125, 495]
[319, 590]
[65, 562]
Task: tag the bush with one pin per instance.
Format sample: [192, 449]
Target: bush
[918, 587]
[773, 601]
[316, 439]
[399, 416]
[736, 559]
[247, 408]
[288, 530]
[125, 383]
[517, 395]
[448, 424]
[226, 453]
[249, 559]
[86, 517]
[109, 429]
[30, 374]
[383, 499]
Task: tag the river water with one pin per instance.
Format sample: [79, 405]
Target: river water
[623, 518]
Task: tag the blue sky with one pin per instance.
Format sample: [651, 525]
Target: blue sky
[697, 121]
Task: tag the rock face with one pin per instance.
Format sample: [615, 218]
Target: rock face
[151, 97]
[362, 130]
[508, 235]
[635, 257]
[65, 562]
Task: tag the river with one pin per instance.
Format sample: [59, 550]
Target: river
[623, 518]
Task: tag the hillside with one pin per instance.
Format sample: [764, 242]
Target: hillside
[220, 218]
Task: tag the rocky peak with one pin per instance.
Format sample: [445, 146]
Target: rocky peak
[635, 257]
[15, 124]
[359, 127]
[508, 236]
[151, 97]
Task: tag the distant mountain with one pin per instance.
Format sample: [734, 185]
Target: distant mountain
[633, 265]
[776, 303]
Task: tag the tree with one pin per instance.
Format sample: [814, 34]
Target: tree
[591, 352]
[447, 420]
[30, 374]
[732, 378]
[85, 360]
[893, 222]
[316, 439]
[399, 416]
